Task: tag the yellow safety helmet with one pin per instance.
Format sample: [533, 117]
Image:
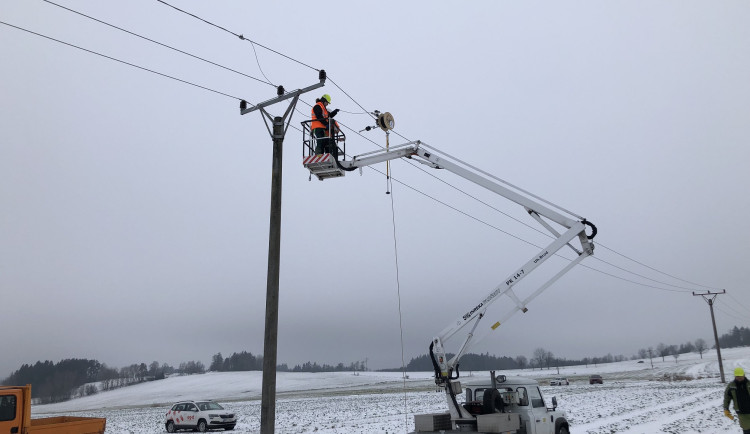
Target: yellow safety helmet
[739, 372]
[327, 98]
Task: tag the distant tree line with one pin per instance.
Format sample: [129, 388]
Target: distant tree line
[246, 361]
[314, 367]
[737, 337]
[54, 382]
[72, 378]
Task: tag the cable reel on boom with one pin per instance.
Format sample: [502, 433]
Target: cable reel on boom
[385, 122]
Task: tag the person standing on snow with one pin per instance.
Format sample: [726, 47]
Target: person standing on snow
[320, 126]
[738, 391]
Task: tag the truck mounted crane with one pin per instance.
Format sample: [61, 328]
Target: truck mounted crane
[566, 229]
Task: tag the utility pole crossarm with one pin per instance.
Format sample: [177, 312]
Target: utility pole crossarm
[283, 96]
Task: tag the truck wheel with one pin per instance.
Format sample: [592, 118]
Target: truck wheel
[563, 430]
[202, 426]
[170, 427]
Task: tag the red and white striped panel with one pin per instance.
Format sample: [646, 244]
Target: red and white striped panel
[321, 158]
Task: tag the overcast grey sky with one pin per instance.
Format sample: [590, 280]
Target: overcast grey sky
[134, 208]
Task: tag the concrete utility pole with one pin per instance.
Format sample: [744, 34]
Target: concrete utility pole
[713, 321]
[270, 339]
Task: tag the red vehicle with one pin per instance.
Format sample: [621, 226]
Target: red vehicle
[596, 379]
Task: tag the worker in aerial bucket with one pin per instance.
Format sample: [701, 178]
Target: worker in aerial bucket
[321, 126]
[739, 392]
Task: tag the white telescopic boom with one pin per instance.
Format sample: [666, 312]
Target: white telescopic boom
[572, 227]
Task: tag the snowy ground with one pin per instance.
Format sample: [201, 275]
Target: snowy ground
[633, 399]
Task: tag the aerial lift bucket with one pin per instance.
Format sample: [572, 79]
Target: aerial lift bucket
[323, 166]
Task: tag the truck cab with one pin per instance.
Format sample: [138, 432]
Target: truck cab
[514, 405]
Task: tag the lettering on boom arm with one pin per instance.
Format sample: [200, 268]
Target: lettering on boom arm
[485, 301]
[546, 252]
[508, 283]
[471, 312]
[515, 277]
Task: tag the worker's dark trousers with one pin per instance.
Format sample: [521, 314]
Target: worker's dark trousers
[325, 144]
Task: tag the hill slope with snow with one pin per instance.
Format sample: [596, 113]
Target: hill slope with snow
[677, 395]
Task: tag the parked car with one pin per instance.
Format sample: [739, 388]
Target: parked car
[596, 379]
[559, 381]
[198, 416]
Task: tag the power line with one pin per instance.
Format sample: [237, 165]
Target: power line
[654, 269]
[356, 102]
[236, 34]
[257, 60]
[254, 43]
[268, 81]
[720, 307]
[122, 61]
[684, 289]
[738, 303]
[549, 235]
[351, 98]
[529, 242]
[162, 44]
[598, 244]
[733, 309]
[632, 281]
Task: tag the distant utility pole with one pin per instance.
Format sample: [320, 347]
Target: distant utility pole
[268, 393]
[710, 301]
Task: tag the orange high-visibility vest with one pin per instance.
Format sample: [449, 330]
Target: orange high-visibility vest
[316, 123]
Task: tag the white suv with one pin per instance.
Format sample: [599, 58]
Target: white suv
[198, 415]
[559, 381]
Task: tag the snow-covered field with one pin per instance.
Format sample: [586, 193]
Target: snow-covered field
[633, 399]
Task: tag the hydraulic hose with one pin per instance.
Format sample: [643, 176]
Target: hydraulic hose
[435, 366]
[593, 229]
[347, 169]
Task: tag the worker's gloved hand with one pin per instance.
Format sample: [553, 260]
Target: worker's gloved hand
[728, 414]
[333, 113]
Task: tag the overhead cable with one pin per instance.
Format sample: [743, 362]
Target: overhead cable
[720, 307]
[654, 269]
[236, 34]
[242, 37]
[257, 60]
[162, 44]
[732, 308]
[122, 61]
[737, 302]
[526, 241]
